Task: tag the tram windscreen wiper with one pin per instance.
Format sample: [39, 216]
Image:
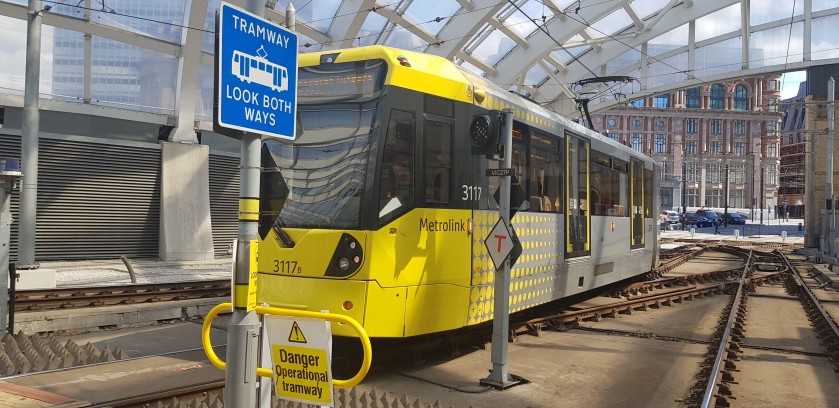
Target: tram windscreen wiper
[284, 237]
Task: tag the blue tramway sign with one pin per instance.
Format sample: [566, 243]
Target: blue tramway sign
[256, 75]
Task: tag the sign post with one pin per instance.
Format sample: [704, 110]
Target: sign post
[255, 93]
[497, 242]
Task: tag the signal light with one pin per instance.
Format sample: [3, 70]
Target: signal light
[483, 133]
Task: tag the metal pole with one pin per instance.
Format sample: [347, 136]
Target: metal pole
[831, 100]
[761, 196]
[725, 212]
[29, 140]
[684, 194]
[501, 317]
[243, 332]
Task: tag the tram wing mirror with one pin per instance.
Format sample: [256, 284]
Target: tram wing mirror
[273, 192]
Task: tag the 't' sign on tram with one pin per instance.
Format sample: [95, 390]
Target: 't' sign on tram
[256, 74]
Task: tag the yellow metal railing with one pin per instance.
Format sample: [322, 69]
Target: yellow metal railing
[264, 372]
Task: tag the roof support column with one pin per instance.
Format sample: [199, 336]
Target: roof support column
[29, 139]
[808, 30]
[645, 62]
[691, 49]
[745, 5]
[188, 73]
[87, 74]
[185, 226]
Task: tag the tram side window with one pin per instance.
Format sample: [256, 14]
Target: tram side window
[545, 174]
[605, 187]
[438, 162]
[648, 194]
[397, 179]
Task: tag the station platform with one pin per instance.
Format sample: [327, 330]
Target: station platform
[770, 231]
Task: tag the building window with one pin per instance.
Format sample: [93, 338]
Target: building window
[692, 172]
[713, 198]
[712, 172]
[612, 122]
[666, 197]
[739, 148]
[660, 144]
[737, 198]
[661, 101]
[636, 123]
[613, 136]
[772, 150]
[692, 98]
[716, 126]
[741, 98]
[739, 127]
[772, 174]
[692, 197]
[690, 148]
[664, 171]
[716, 147]
[717, 96]
[693, 125]
[737, 173]
[772, 105]
[774, 85]
[638, 103]
[636, 142]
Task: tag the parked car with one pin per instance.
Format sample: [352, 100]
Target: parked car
[690, 219]
[735, 219]
[709, 215]
[703, 222]
[672, 216]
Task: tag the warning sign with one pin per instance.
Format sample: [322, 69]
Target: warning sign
[301, 353]
[296, 336]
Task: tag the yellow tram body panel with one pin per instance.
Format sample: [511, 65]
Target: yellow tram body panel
[414, 279]
[426, 73]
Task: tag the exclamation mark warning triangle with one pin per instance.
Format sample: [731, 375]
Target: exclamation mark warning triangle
[296, 335]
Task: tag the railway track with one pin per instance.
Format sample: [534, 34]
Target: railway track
[97, 296]
[718, 382]
[757, 269]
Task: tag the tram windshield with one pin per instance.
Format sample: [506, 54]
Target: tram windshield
[319, 180]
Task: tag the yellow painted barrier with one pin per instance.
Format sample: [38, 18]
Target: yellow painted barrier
[264, 372]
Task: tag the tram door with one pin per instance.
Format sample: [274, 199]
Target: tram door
[637, 187]
[578, 216]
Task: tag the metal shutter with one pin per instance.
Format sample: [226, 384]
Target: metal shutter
[224, 201]
[95, 200]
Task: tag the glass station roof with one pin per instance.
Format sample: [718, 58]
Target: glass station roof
[537, 48]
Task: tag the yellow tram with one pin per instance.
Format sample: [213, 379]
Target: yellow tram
[380, 208]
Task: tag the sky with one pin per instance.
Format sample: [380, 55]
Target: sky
[790, 81]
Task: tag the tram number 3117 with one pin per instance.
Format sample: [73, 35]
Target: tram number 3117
[287, 267]
[471, 193]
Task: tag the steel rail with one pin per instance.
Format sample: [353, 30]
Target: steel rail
[617, 307]
[58, 298]
[725, 340]
[814, 301]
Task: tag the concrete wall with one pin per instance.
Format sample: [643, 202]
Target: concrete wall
[816, 162]
[185, 225]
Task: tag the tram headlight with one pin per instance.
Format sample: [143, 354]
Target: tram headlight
[347, 257]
